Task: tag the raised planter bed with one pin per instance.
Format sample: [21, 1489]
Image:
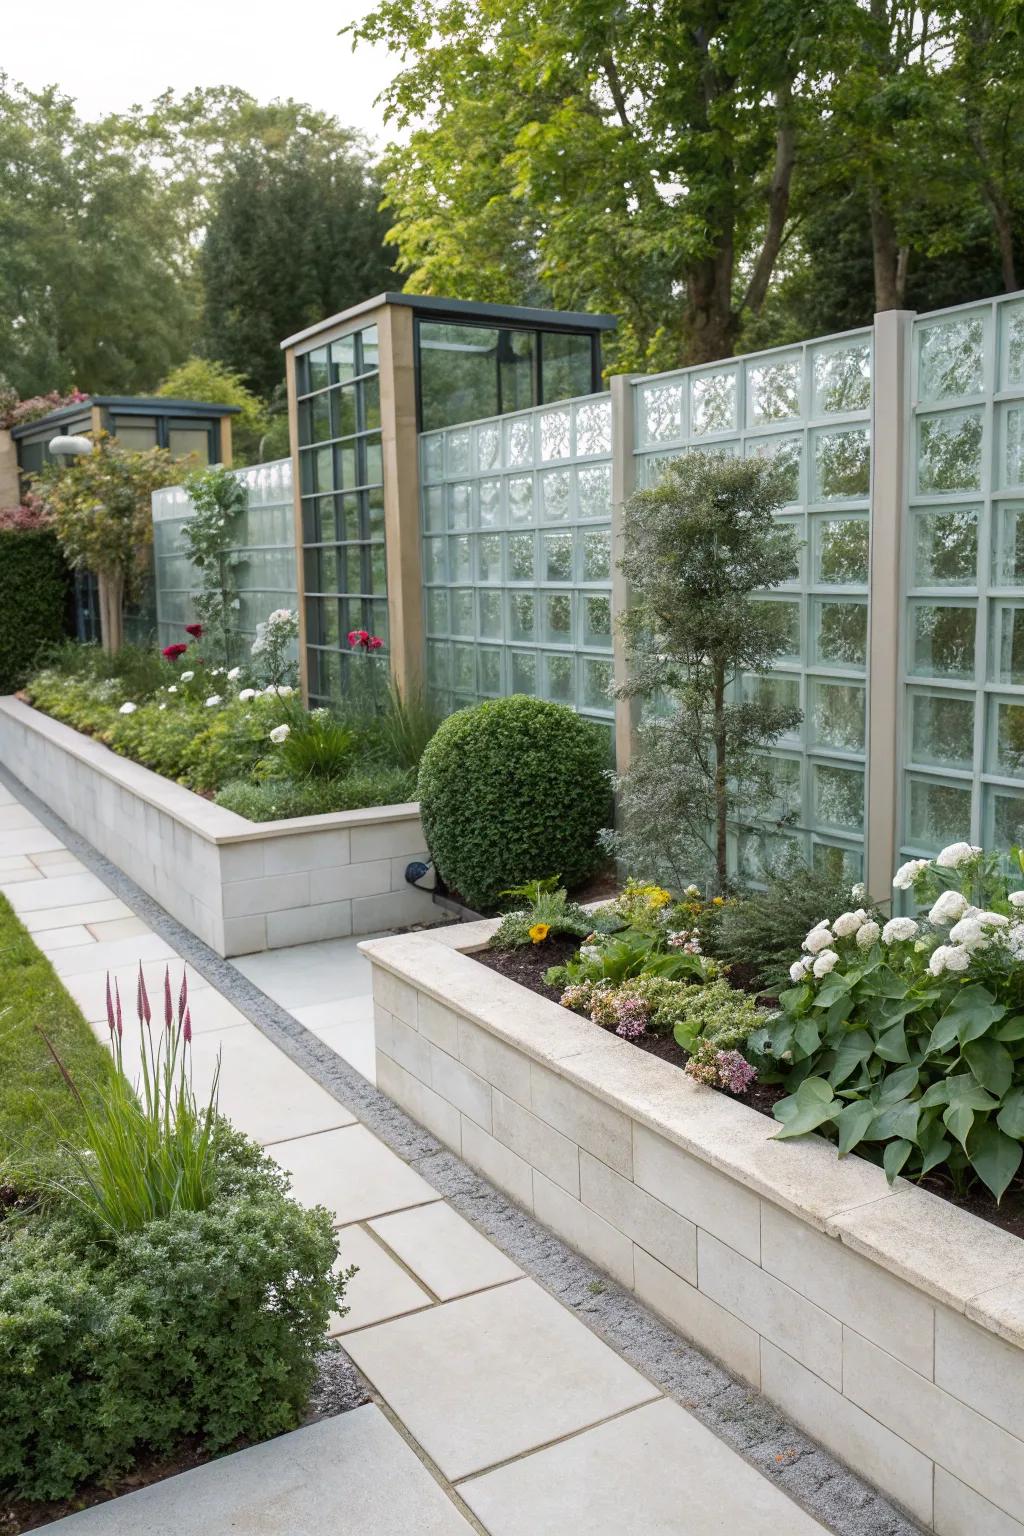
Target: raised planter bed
[238, 885]
[885, 1322]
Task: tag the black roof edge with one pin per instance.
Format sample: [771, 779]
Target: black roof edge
[128, 405]
[463, 309]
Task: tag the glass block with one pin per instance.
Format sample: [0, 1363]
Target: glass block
[554, 434]
[839, 863]
[457, 449]
[460, 504]
[345, 414]
[842, 464]
[1004, 818]
[464, 669]
[351, 524]
[1011, 321]
[596, 689]
[1006, 645]
[842, 379]
[489, 671]
[596, 619]
[713, 403]
[318, 368]
[554, 494]
[759, 853]
[594, 490]
[324, 462]
[378, 570]
[938, 813]
[519, 441]
[941, 729]
[786, 452]
[523, 672]
[559, 677]
[346, 464]
[794, 527]
[488, 447]
[661, 412]
[488, 557]
[775, 690]
[838, 795]
[522, 616]
[1008, 544]
[949, 452]
[942, 640]
[369, 391]
[840, 632]
[596, 554]
[594, 427]
[489, 501]
[521, 557]
[343, 359]
[438, 664]
[460, 558]
[462, 610]
[490, 604]
[320, 419]
[433, 509]
[788, 615]
[950, 358]
[374, 504]
[946, 547]
[1004, 738]
[1012, 434]
[437, 611]
[520, 499]
[557, 608]
[837, 715]
[841, 549]
[556, 557]
[432, 455]
[373, 461]
[773, 390]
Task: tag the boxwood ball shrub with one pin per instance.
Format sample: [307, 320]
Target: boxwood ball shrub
[512, 790]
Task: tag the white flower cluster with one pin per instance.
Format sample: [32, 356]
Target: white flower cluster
[280, 733]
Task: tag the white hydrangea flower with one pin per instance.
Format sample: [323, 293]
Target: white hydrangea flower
[280, 733]
[847, 923]
[968, 932]
[948, 957]
[128, 709]
[826, 961]
[173, 688]
[694, 890]
[187, 677]
[948, 908]
[907, 873]
[859, 892]
[867, 933]
[271, 689]
[213, 700]
[280, 616]
[1014, 938]
[162, 706]
[246, 694]
[898, 929]
[1016, 898]
[798, 970]
[819, 938]
[955, 855]
[284, 691]
[992, 920]
[234, 674]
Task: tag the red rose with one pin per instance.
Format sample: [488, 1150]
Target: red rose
[195, 630]
[172, 652]
[359, 637]
[374, 643]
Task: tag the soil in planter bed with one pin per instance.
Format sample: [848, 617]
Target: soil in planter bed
[528, 964]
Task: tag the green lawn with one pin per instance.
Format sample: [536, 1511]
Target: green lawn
[36, 1104]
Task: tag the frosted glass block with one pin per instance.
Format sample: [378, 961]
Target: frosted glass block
[595, 692]
[841, 549]
[464, 669]
[439, 669]
[941, 729]
[942, 640]
[713, 403]
[520, 499]
[840, 632]
[653, 467]
[949, 452]
[460, 504]
[488, 557]
[1008, 544]
[460, 558]
[596, 620]
[522, 616]
[432, 455]
[554, 494]
[842, 379]
[661, 412]
[594, 490]
[787, 453]
[462, 610]
[839, 863]
[759, 854]
[556, 557]
[490, 603]
[521, 557]
[554, 434]
[842, 464]
[838, 795]
[559, 677]
[950, 358]
[837, 715]
[523, 672]
[773, 390]
[457, 449]
[519, 441]
[1013, 444]
[1006, 646]
[1011, 321]
[437, 611]
[1004, 818]
[489, 671]
[557, 610]
[776, 690]
[433, 509]
[594, 427]
[946, 547]
[596, 554]
[788, 615]
[795, 527]
[1004, 738]
[488, 447]
[938, 813]
[489, 500]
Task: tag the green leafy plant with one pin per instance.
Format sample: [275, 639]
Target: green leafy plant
[34, 582]
[218, 499]
[509, 787]
[613, 958]
[278, 799]
[760, 932]
[404, 725]
[547, 913]
[315, 745]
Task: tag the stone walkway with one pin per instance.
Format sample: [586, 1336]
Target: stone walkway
[496, 1408]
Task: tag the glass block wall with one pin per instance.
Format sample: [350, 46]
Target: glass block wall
[811, 406]
[342, 486]
[264, 555]
[516, 524]
[963, 622]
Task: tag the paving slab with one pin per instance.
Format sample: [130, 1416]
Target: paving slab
[493, 1375]
[309, 973]
[15, 817]
[89, 989]
[352, 1475]
[381, 1289]
[71, 937]
[61, 891]
[31, 840]
[111, 956]
[75, 912]
[352, 1174]
[351, 1038]
[445, 1251]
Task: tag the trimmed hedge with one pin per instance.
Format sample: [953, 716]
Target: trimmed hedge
[34, 582]
[513, 790]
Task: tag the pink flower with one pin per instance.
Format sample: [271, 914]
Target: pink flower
[168, 1004]
[359, 637]
[172, 652]
[187, 1028]
[374, 643]
[195, 630]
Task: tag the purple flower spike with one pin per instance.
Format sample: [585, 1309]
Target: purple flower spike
[117, 1009]
[111, 1022]
[145, 1011]
[168, 1003]
[183, 996]
[187, 1029]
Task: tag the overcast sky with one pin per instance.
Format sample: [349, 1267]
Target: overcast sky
[128, 51]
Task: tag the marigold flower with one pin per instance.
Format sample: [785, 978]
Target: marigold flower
[539, 932]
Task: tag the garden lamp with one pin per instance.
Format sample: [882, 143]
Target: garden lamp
[68, 448]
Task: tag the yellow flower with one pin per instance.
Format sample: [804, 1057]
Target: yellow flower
[718, 901]
[539, 932]
[659, 897]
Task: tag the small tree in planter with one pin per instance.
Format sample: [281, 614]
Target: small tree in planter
[101, 504]
[698, 546]
[218, 499]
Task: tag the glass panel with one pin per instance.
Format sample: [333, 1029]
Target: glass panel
[791, 618]
[950, 358]
[522, 613]
[516, 369]
[661, 412]
[842, 379]
[1004, 818]
[565, 366]
[937, 813]
[378, 569]
[1004, 750]
[596, 561]
[786, 452]
[1013, 444]
[136, 434]
[520, 499]
[597, 620]
[369, 349]
[457, 451]
[846, 864]
[838, 796]
[841, 551]
[524, 672]
[318, 368]
[594, 490]
[460, 504]
[942, 640]
[343, 359]
[554, 434]
[434, 564]
[438, 665]
[458, 373]
[433, 456]
[489, 671]
[556, 556]
[776, 692]
[520, 557]
[1012, 322]
[597, 685]
[1006, 663]
[554, 494]
[488, 557]
[840, 632]
[488, 447]
[559, 677]
[433, 509]
[773, 391]
[519, 441]
[345, 411]
[594, 427]
[713, 403]
[949, 452]
[490, 614]
[489, 500]
[946, 547]
[437, 612]
[941, 729]
[557, 617]
[842, 464]
[462, 610]
[1008, 544]
[459, 558]
[464, 669]
[837, 715]
[189, 442]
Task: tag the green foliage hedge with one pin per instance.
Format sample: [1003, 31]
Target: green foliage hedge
[278, 799]
[34, 582]
[513, 790]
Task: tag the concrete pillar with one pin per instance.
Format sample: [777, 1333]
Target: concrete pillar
[627, 711]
